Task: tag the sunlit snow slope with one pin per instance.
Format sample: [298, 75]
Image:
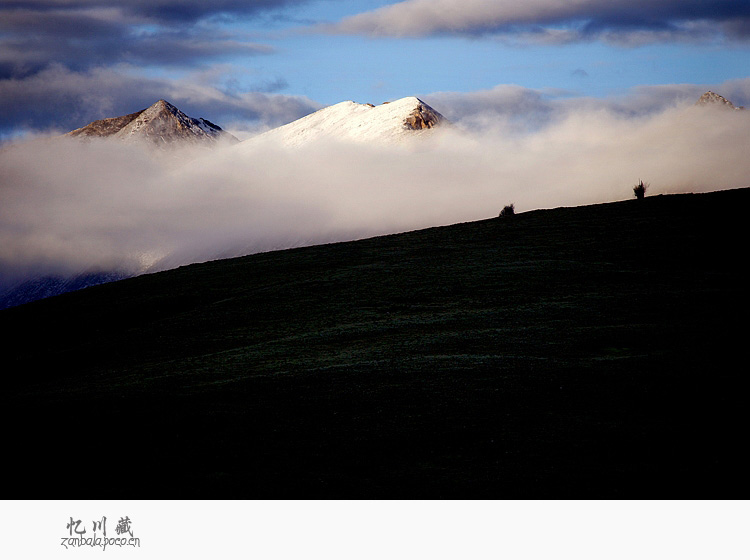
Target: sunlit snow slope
[349, 121]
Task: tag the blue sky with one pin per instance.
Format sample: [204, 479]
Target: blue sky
[256, 64]
[333, 68]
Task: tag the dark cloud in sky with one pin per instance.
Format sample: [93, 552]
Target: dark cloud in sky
[28, 56]
[64, 63]
[620, 21]
[81, 35]
[162, 11]
[58, 99]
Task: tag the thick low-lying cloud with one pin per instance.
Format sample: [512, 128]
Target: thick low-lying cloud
[558, 21]
[68, 206]
[521, 109]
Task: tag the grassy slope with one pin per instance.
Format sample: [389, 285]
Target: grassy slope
[578, 352]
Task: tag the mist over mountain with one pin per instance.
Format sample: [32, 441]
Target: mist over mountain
[103, 206]
[161, 125]
[164, 125]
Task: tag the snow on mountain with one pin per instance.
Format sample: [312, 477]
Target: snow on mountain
[391, 122]
[162, 123]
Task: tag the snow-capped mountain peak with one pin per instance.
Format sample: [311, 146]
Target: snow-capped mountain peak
[394, 121]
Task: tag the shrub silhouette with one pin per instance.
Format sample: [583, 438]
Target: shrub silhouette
[640, 190]
[509, 210]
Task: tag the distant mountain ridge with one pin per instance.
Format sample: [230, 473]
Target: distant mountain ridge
[162, 123]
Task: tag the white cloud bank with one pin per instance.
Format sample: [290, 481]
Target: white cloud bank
[67, 206]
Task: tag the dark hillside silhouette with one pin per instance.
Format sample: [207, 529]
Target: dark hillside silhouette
[590, 352]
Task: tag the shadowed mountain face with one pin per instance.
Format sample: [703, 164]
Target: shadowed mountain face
[589, 352]
[161, 124]
[104, 127]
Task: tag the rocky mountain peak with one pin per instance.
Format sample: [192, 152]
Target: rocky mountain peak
[711, 98]
[162, 124]
[423, 116]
